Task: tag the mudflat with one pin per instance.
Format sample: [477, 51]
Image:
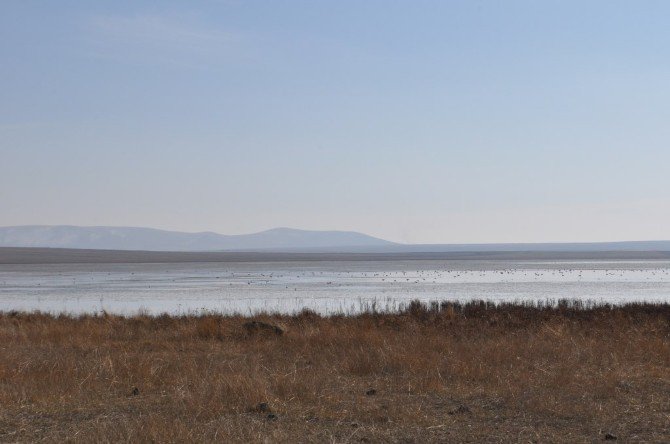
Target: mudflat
[21, 255]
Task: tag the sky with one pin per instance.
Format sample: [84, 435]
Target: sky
[414, 121]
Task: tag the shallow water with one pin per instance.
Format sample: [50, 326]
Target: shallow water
[326, 287]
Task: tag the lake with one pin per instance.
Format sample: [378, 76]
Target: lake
[323, 286]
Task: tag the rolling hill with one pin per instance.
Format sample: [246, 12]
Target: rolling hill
[131, 238]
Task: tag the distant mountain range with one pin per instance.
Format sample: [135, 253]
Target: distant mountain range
[130, 238]
[278, 239]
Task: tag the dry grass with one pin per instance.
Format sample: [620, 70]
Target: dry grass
[477, 372]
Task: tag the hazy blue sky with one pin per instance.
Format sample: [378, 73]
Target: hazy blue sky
[416, 121]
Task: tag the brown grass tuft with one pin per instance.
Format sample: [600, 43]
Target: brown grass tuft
[208, 328]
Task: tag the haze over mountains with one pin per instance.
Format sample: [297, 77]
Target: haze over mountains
[131, 238]
[278, 239]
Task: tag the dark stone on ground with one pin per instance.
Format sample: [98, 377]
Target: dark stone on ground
[461, 410]
[258, 326]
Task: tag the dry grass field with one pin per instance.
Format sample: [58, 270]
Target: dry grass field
[450, 373]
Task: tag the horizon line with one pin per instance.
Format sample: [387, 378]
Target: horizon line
[426, 244]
